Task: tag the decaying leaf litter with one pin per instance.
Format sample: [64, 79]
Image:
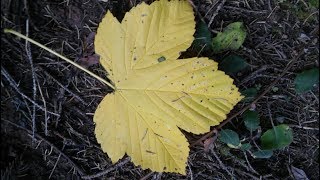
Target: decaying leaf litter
[266, 44]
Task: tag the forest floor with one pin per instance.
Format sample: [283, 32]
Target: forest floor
[37, 86]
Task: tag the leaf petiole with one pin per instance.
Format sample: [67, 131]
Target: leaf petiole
[59, 55]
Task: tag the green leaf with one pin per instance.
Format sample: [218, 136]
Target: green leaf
[233, 64]
[277, 138]
[275, 89]
[249, 94]
[262, 154]
[203, 37]
[251, 120]
[231, 38]
[245, 146]
[306, 80]
[314, 3]
[229, 137]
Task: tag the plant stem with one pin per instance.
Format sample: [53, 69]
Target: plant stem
[59, 55]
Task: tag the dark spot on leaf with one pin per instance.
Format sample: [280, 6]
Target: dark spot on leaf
[162, 58]
[182, 84]
[191, 77]
[201, 100]
[150, 152]
[164, 168]
[158, 135]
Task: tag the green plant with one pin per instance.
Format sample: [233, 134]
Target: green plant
[306, 80]
[273, 139]
[231, 38]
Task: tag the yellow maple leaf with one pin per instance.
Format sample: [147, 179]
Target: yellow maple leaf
[155, 93]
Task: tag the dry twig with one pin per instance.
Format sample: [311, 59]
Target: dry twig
[15, 86]
[107, 170]
[216, 12]
[147, 176]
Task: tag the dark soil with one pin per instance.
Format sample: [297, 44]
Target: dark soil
[66, 97]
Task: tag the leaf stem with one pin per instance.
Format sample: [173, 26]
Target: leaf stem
[59, 55]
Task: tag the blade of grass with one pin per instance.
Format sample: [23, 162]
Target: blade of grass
[59, 55]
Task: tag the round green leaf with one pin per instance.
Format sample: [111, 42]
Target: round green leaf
[231, 38]
[233, 64]
[277, 138]
[262, 154]
[251, 120]
[249, 94]
[306, 80]
[229, 137]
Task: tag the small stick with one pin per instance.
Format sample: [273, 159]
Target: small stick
[249, 165]
[190, 171]
[216, 12]
[34, 92]
[107, 170]
[59, 55]
[290, 64]
[45, 111]
[221, 164]
[15, 86]
[147, 176]
[55, 165]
